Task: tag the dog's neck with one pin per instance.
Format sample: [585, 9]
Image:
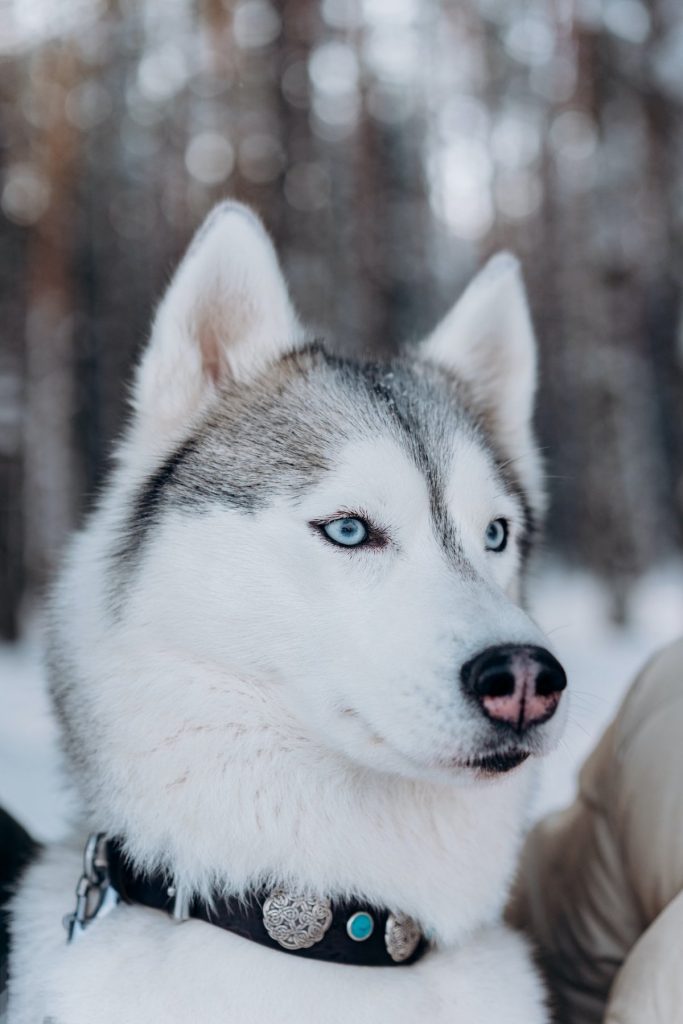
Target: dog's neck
[248, 798]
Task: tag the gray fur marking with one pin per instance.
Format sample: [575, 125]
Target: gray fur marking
[279, 434]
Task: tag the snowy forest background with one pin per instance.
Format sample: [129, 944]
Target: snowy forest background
[390, 146]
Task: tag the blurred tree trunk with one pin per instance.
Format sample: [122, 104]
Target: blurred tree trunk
[12, 355]
[51, 481]
[664, 309]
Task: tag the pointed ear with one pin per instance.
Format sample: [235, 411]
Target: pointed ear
[487, 341]
[226, 314]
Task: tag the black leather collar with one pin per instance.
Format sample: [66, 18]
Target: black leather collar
[339, 931]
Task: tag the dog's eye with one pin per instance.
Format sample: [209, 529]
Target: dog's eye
[349, 531]
[497, 535]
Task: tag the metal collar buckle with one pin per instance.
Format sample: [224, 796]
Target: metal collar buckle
[93, 885]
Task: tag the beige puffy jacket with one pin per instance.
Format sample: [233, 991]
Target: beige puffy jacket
[601, 885]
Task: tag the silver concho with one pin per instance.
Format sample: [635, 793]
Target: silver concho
[401, 937]
[296, 921]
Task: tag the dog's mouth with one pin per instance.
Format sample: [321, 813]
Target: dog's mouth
[485, 765]
[497, 763]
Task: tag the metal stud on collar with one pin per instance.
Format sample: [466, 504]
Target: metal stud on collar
[296, 921]
[401, 936]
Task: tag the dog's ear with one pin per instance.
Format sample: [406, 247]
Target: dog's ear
[226, 314]
[487, 341]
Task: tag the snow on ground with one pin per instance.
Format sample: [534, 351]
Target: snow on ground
[31, 786]
[572, 608]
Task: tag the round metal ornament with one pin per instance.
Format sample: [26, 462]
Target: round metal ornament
[296, 921]
[401, 937]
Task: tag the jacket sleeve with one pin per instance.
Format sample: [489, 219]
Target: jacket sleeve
[597, 877]
[649, 987]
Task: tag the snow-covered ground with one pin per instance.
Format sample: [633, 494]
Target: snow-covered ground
[571, 606]
[31, 786]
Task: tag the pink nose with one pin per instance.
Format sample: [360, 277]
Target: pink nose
[514, 685]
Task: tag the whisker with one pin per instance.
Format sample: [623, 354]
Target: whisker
[573, 721]
[556, 629]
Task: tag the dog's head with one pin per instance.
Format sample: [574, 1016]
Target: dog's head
[343, 544]
[346, 540]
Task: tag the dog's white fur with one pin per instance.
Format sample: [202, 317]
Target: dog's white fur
[264, 707]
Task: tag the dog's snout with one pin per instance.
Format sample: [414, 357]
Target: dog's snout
[518, 686]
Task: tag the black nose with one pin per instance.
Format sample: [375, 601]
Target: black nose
[518, 686]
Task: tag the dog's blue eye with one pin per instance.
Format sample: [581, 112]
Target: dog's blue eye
[497, 535]
[349, 531]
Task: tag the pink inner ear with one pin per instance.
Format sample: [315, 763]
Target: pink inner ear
[213, 361]
[222, 322]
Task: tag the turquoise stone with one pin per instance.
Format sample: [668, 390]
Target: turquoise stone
[360, 926]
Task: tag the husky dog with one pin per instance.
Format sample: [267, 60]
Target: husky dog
[288, 654]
